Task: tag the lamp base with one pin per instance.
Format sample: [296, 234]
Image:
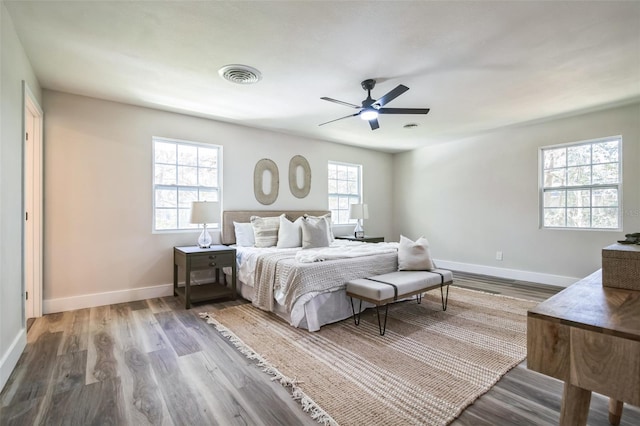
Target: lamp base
[358, 232]
[205, 240]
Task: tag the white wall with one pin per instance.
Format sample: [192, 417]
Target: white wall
[14, 68]
[476, 196]
[98, 193]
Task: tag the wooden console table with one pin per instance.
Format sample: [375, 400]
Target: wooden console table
[588, 336]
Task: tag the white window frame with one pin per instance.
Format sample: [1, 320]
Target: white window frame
[335, 218]
[617, 186]
[217, 189]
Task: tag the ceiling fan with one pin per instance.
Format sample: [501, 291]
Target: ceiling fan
[371, 107]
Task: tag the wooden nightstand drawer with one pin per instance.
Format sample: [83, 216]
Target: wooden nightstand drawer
[211, 260]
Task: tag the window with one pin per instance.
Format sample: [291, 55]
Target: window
[182, 172]
[581, 185]
[345, 188]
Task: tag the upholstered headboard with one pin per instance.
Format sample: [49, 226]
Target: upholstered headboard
[229, 216]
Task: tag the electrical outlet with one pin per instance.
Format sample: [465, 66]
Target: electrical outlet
[498, 255]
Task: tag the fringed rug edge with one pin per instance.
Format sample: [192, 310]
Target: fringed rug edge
[308, 405]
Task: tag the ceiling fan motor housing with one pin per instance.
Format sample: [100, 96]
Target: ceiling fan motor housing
[368, 84]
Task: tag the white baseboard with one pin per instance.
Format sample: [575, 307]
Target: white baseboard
[513, 274]
[11, 357]
[107, 298]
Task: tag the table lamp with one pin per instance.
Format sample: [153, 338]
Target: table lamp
[204, 212]
[359, 212]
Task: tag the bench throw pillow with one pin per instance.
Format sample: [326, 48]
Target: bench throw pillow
[414, 255]
[265, 230]
[314, 233]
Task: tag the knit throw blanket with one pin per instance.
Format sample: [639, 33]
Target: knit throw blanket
[266, 277]
[280, 271]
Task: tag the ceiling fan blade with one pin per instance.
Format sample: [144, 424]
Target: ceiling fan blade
[392, 95]
[374, 124]
[340, 102]
[403, 111]
[341, 118]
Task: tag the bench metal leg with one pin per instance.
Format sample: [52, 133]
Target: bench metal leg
[419, 298]
[356, 317]
[445, 299]
[382, 328]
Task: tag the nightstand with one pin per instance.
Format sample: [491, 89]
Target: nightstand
[194, 258]
[365, 239]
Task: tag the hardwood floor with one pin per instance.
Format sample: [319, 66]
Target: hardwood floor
[153, 362]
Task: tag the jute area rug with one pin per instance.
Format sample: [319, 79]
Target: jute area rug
[425, 370]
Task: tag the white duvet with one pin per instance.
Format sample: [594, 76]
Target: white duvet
[343, 251]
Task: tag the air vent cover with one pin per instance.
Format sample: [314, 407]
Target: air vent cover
[240, 74]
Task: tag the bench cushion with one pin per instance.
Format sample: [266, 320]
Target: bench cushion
[407, 282]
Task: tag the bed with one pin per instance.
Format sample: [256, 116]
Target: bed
[304, 287]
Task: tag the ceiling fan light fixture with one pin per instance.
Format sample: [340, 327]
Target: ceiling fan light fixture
[369, 114]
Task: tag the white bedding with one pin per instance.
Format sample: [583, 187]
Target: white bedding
[308, 285]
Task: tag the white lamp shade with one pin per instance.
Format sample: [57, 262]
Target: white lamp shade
[205, 212]
[358, 211]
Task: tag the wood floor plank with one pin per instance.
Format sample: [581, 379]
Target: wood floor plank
[177, 335]
[40, 364]
[158, 305]
[76, 332]
[152, 338]
[14, 380]
[99, 403]
[21, 413]
[146, 397]
[138, 304]
[178, 395]
[99, 326]
[221, 402]
[144, 404]
[52, 323]
[70, 371]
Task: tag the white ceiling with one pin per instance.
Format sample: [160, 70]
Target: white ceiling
[478, 65]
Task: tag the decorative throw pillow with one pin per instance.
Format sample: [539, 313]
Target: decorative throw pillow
[314, 233]
[326, 218]
[414, 255]
[265, 230]
[244, 234]
[290, 233]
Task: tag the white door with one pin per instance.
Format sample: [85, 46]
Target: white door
[32, 205]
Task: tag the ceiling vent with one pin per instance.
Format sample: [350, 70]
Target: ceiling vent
[240, 74]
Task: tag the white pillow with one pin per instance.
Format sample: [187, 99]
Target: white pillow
[327, 218]
[290, 233]
[314, 233]
[244, 234]
[265, 230]
[414, 256]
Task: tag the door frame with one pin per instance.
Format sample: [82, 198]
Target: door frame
[33, 205]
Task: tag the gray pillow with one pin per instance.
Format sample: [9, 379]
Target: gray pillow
[414, 255]
[314, 233]
[265, 230]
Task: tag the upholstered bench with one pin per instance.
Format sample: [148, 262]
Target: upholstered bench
[383, 289]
